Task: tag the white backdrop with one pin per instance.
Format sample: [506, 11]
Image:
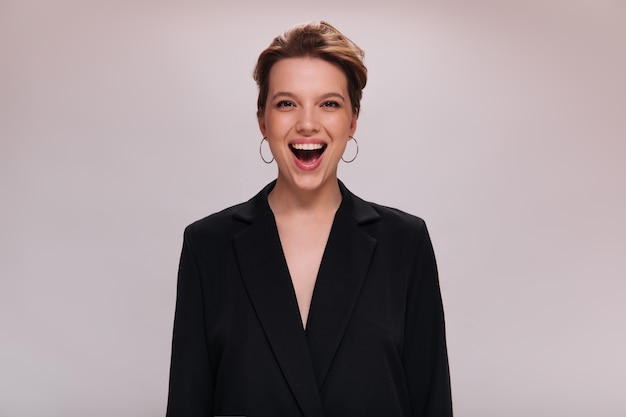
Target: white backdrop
[502, 123]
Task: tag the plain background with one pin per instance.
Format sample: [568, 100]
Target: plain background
[502, 123]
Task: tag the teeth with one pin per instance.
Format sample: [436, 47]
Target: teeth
[307, 146]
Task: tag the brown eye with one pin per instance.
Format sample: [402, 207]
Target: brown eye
[284, 103]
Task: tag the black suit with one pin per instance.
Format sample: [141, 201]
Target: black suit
[374, 343]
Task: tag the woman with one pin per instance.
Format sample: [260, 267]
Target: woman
[307, 300]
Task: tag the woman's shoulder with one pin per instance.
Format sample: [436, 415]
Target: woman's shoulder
[215, 224]
[392, 214]
[368, 212]
[389, 216]
[398, 224]
[393, 226]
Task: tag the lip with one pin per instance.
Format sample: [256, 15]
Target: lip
[307, 166]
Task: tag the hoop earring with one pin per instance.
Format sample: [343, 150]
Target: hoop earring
[261, 152]
[356, 153]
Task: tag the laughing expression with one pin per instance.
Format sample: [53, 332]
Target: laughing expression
[308, 120]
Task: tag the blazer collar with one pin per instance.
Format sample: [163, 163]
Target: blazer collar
[304, 357]
[360, 211]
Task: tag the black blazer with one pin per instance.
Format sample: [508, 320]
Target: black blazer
[374, 343]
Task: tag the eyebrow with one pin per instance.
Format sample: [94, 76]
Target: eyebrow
[333, 95]
[322, 97]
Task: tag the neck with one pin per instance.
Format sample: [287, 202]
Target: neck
[285, 200]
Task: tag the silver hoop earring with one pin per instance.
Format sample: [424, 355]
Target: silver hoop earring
[261, 152]
[348, 161]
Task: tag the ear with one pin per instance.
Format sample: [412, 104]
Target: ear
[353, 124]
[262, 128]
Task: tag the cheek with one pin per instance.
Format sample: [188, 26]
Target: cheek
[342, 124]
[277, 123]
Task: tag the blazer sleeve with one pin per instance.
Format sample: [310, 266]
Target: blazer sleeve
[425, 356]
[191, 381]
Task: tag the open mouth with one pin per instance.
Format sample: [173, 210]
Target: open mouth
[307, 153]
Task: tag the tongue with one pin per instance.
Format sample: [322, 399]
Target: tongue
[308, 157]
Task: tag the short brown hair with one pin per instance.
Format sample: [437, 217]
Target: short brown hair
[315, 40]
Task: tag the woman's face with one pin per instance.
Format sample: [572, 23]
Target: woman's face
[308, 120]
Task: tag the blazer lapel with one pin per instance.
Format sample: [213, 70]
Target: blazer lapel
[341, 275]
[266, 278]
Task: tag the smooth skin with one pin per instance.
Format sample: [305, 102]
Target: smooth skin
[307, 105]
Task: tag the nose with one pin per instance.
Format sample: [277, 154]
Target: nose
[307, 123]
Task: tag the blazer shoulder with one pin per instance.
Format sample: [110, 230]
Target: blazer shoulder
[396, 218]
[216, 224]
[381, 220]
[228, 222]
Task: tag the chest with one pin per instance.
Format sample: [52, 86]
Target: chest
[303, 242]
